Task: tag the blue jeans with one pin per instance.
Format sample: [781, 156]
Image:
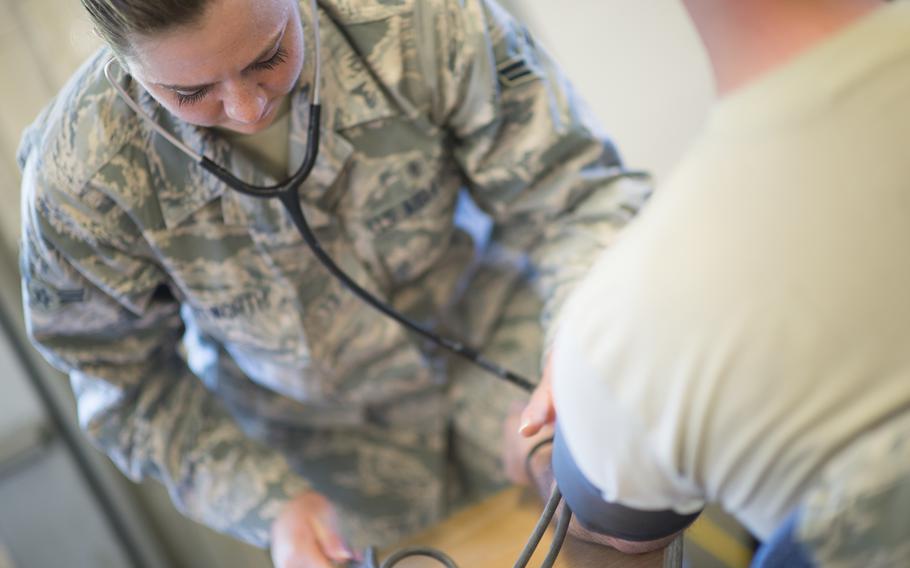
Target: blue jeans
[783, 550]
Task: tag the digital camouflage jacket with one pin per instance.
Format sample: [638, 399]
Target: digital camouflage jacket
[169, 299]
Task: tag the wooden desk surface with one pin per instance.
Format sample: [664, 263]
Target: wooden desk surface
[491, 534]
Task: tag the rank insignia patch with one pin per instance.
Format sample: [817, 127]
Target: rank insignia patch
[42, 297]
[515, 71]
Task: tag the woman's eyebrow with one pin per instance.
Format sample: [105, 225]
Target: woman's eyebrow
[262, 55]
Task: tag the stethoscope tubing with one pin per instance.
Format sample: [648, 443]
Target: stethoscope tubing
[288, 193]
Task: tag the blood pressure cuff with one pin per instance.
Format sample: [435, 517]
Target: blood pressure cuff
[600, 516]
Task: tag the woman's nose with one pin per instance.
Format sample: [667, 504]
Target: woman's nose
[245, 102]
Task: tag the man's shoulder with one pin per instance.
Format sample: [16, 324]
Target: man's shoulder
[81, 130]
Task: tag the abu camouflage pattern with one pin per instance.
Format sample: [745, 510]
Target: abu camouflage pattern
[855, 515]
[140, 266]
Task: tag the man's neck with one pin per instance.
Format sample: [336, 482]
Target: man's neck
[746, 38]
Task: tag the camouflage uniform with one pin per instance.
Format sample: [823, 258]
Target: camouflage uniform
[857, 514]
[204, 342]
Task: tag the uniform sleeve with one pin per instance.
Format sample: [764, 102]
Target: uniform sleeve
[533, 154]
[99, 310]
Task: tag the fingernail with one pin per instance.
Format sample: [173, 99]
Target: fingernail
[343, 553]
[525, 426]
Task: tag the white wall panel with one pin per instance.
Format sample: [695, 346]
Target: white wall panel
[640, 66]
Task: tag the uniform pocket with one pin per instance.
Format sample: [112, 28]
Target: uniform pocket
[234, 293]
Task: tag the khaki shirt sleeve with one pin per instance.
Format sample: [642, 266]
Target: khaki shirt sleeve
[97, 310]
[533, 154]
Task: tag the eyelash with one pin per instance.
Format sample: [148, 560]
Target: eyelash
[272, 62]
[191, 98]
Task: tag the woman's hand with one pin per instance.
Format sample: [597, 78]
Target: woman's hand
[540, 411]
[516, 448]
[306, 534]
[524, 428]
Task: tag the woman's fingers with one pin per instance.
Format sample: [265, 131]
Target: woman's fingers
[328, 536]
[540, 410]
[306, 535]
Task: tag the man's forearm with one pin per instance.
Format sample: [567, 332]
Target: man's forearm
[540, 471]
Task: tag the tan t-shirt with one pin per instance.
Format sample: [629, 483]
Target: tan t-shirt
[268, 148]
[754, 321]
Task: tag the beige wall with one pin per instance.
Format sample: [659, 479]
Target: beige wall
[640, 66]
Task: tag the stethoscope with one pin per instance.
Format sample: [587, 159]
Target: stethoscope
[288, 193]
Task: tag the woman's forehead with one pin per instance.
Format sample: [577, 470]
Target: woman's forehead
[229, 36]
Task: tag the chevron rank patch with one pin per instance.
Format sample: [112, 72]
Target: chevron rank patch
[515, 71]
[42, 297]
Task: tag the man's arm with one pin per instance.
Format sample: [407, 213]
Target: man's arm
[629, 529]
[531, 463]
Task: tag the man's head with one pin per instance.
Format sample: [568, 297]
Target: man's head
[747, 38]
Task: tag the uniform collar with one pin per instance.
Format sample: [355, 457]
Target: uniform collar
[350, 95]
